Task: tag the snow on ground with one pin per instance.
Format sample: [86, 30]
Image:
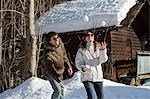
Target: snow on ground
[147, 84]
[36, 88]
[69, 16]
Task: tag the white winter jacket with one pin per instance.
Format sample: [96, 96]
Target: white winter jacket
[94, 60]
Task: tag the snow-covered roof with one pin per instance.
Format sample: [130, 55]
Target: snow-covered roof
[83, 14]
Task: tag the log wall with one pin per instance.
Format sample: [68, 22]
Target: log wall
[124, 45]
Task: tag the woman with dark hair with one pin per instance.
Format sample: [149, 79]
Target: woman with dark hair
[89, 58]
[54, 62]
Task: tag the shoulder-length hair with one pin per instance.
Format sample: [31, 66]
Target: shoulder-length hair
[83, 45]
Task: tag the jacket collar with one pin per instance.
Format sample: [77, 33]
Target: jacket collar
[49, 46]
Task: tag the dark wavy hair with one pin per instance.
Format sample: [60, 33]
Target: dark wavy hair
[83, 43]
[47, 37]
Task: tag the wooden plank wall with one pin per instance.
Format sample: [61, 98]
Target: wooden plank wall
[118, 43]
[124, 45]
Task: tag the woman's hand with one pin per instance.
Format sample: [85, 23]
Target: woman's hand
[70, 71]
[102, 45]
[86, 68]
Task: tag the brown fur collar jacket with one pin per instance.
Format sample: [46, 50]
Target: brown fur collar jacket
[55, 60]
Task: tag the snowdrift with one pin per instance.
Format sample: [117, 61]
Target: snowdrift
[36, 88]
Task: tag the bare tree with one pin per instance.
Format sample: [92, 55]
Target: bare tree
[33, 40]
[19, 55]
[1, 88]
[1, 35]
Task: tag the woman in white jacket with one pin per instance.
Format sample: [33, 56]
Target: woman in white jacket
[89, 58]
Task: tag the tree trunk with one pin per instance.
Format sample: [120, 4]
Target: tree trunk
[33, 40]
[1, 17]
[1, 72]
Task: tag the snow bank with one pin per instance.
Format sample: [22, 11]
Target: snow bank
[147, 83]
[33, 88]
[36, 88]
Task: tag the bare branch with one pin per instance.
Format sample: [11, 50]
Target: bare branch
[15, 12]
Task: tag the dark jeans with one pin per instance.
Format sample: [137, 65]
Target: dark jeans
[94, 89]
[58, 89]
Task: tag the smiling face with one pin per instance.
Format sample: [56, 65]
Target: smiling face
[89, 37]
[54, 40]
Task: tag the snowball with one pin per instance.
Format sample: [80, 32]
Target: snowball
[85, 18]
[103, 23]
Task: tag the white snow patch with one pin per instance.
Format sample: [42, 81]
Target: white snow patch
[36, 88]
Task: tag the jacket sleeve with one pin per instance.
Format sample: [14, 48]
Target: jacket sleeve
[44, 68]
[103, 56]
[44, 59]
[79, 62]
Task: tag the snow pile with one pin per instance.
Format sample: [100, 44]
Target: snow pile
[36, 88]
[33, 88]
[147, 82]
[70, 16]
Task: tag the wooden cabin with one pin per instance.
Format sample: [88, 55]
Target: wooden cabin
[123, 43]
